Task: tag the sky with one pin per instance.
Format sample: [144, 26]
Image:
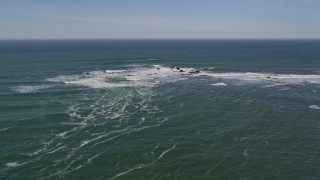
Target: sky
[140, 19]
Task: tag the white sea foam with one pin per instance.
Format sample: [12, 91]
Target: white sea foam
[4, 129]
[245, 153]
[140, 166]
[138, 76]
[209, 68]
[85, 121]
[281, 79]
[316, 107]
[113, 71]
[219, 84]
[63, 78]
[30, 89]
[13, 164]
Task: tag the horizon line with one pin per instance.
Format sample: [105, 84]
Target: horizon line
[121, 39]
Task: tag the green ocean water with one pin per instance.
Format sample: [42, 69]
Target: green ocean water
[117, 109]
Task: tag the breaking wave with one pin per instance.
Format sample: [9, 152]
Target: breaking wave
[136, 77]
[156, 75]
[281, 79]
[219, 84]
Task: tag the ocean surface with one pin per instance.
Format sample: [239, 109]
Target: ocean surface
[118, 109]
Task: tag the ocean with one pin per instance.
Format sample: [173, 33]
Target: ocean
[160, 109]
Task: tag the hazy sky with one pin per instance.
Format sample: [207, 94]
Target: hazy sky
[28, 19]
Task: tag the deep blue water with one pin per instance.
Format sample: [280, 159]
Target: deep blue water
[116, 109]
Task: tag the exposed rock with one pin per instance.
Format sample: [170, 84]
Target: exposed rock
[195, 72]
